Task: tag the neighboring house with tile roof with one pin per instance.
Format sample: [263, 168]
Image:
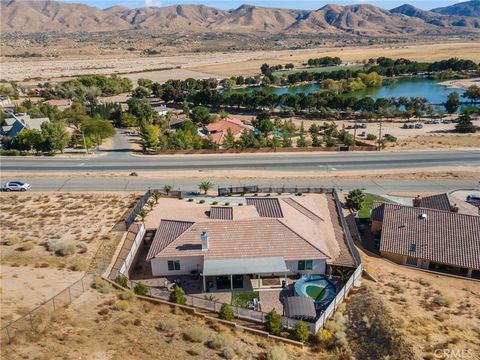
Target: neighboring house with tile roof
[218, 130]
[430, 238]
[276, 236]
[61, 104]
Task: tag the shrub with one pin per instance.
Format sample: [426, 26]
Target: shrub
[10, 152]
[140, 289]
[101, 285]
[220, 341]
[390, 138]
[240, 204]
[177, 296]
[226, 312]
[441, 316]
[190, 200]
[302, 333]
[324, 338]
[12, 240]
[273, 323]
[227, 203]
[228, 353]
[127, 295]
[195, 334]
[121, 280]
[202, 201]
[122, 305]
[371, 137]
[277, 353]
[61, 248]
[168, 325]
[443, 300]
[26, 246]
[215, 203]
[79, 265]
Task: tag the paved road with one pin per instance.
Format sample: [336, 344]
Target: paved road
[120, 160]
[139, 184]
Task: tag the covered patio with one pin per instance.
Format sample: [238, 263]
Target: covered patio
[243, 273]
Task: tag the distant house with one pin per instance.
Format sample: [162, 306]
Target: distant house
[17, 122]
[61, 104]
[161, 110]
[176, 120]
[434, 234]
[233, 247]
[218, 130]
[4, 101]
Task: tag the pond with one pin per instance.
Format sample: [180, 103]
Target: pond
[408, 87]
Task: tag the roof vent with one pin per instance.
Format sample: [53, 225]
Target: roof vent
[423, 216]
[204, 238]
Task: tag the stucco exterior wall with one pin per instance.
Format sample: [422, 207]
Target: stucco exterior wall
[376, 227]
[187, 264]
[397, 258]
[318, 267]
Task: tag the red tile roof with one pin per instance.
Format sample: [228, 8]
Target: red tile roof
[167, 232]
[443, 237]
[243, 239]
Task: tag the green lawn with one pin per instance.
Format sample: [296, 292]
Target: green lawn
[318, 69]
[242, 298]
[364, 213]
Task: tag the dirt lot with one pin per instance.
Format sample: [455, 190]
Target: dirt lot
[48, 241]
[431, 311]
[218, 64]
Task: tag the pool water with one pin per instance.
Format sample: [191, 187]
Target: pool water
[320, 289]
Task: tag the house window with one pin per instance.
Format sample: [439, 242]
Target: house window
[305, 264]
[173, 265]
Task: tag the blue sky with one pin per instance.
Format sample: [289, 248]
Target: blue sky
[291, 4]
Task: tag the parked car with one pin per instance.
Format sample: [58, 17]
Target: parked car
[446, 122]
[363, 133]
[473, 198]
[363, 126]
[436, 121]
[418, 126]
[16, 186]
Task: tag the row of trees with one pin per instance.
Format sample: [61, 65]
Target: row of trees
[86, 88]
[325, 61]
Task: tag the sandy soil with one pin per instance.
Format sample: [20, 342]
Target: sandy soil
[94, 327]
[410, 296]
[461, 83]
[30, 272]
[220, 64]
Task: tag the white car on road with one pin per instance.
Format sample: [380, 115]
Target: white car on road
[16, 186]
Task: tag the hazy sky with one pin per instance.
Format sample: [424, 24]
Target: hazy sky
[291, 4]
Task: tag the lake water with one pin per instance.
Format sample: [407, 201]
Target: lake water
[408, 87]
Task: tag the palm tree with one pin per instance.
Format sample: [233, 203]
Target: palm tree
[205, 186]
[142, 214]
[151, 204]
[168, 189]
[156, 196]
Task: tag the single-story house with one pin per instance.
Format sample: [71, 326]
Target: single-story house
[444, 237]
[17, 122]
[265, 240]
[218, 130]
[61, 104]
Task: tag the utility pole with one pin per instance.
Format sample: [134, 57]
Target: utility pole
[379, 134]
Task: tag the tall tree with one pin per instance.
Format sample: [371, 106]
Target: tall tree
[355, 200]
[465, 124]
[452, 103]
[148, 136]
[55, 136]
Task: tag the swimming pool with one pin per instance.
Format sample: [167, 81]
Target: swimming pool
[321, 290]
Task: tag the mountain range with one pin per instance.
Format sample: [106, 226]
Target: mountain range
[29, 16]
